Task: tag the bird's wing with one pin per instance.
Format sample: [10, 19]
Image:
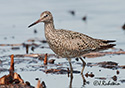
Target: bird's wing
[77, 41]
[80, 42]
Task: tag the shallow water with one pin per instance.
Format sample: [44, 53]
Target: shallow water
[104, 20]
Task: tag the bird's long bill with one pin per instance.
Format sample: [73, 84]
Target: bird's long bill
[34, 23]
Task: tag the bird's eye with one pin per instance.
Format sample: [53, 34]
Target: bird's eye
[46, 15]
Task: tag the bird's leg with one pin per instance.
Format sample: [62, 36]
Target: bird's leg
[84, 64]
[71, 73]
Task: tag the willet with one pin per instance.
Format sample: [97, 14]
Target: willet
[69, 44]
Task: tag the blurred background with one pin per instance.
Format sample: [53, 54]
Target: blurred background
[102, 19]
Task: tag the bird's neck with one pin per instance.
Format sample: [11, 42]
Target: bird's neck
[49, 30]
[49, 26]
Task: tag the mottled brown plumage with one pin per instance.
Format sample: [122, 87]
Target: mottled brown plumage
[69, 44]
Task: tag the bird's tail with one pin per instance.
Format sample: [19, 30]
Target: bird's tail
[107, 46]
[107, 41]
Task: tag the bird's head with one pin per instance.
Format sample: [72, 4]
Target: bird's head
[45, 17]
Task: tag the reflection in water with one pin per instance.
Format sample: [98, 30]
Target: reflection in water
[71, 72]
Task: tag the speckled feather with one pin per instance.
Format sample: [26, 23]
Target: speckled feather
[69, 44]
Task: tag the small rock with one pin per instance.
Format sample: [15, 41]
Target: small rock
[117, 72]
[77, 59]
[44, 41]
[114, 78]
[87, 75]
[15, 48]
[35, 31]
[32, 48]
[84, 18]
[99, 70]
[91, 75]
[27, 83]
[51, 61]
[72, 12]
[122, 81]
[123, 27]
[36, 78]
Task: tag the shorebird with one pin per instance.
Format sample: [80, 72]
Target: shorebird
[69, 44]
